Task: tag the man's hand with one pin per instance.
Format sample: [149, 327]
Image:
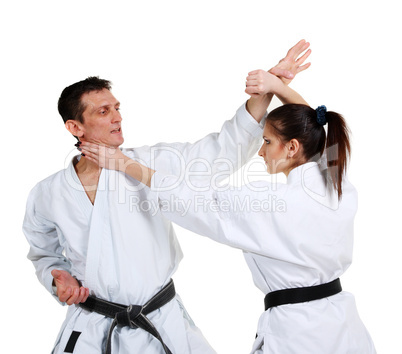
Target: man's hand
[292, 62]
[68, 288]
[260, 83]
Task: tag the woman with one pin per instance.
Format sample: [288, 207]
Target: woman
[296, 236]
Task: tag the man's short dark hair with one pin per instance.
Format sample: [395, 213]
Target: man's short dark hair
[70, 105]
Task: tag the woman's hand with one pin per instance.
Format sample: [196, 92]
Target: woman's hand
[104, 156]
[114, 159]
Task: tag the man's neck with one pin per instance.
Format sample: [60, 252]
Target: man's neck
[87, 168]
[88, 173]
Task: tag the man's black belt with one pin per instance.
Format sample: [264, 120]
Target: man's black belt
[297, 295]
[133, 316]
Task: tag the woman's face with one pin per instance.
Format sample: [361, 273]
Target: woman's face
[274, 152]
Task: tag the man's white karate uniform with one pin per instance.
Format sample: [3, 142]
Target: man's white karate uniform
[292, 235]
[122, 248]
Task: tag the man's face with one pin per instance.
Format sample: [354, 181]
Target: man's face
[102, 119]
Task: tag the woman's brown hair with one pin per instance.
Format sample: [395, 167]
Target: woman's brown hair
[297, 121]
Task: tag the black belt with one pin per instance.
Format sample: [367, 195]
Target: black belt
[297, 295]
[132, 316]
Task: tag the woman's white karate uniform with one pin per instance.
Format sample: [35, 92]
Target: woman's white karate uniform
[122, 248]
[292, 235]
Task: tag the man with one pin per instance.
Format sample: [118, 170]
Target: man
[91, 231]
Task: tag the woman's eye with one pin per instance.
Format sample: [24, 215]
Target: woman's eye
[266, 141]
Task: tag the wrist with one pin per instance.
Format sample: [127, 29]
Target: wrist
[257, 106]
[54, 288]
[258, 99]
[122, 163]
[278, 87]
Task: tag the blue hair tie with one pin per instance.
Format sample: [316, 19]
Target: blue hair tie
[321, 110]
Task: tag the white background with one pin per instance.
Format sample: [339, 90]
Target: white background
[179, 68]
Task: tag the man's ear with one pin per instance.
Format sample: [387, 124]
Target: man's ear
[74, 127]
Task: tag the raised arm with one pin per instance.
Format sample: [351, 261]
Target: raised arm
[264, 83]
[286, 70]
[239, 138]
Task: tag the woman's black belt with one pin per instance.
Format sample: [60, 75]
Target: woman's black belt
[297, 295]
[133, 316]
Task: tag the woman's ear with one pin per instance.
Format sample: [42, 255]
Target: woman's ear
[74, 127]
[293, 147]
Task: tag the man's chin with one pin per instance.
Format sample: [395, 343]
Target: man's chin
[119, 143]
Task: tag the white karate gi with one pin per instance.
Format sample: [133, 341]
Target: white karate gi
[121, 247]
[292, 235]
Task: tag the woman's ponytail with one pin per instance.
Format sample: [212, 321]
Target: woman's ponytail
[337, 149]
[301, 122]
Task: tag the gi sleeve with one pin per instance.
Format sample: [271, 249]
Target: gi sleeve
[217, 155]
[231, 217]
[236, 143]
[45, 251]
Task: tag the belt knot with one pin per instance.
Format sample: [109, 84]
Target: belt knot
[129, 316]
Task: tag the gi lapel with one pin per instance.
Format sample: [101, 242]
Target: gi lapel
[77, 190]
[99, 232]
